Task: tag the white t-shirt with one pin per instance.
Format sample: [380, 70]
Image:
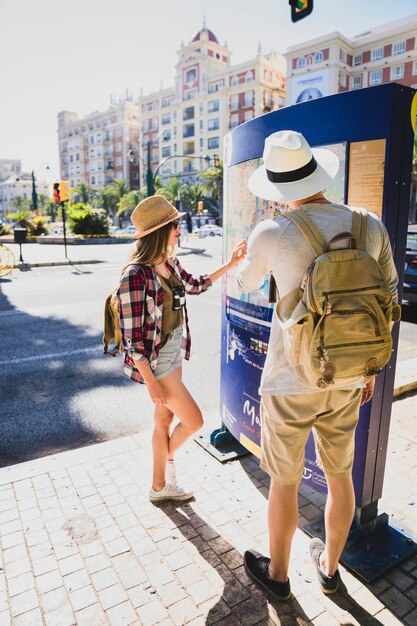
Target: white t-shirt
[277, 246]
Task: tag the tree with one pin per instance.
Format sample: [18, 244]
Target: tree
[85, 192]
[108, 199]
[172, 189]
[86, 220]
[191, 195]
[129, 201]
[213, 182]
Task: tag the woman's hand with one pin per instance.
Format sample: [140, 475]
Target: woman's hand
[368, 390]
[238, 253]
[156, 392]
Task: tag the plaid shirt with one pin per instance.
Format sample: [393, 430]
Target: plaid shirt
[140, 298]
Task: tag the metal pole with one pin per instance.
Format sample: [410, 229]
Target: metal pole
[65, 230]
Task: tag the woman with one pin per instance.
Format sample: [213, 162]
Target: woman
[156, 335]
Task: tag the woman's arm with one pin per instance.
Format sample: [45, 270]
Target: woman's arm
[238, 254]
[131, 296]
[155, 389]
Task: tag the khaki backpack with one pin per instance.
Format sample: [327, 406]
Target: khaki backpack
[337, 325]
[112, 330]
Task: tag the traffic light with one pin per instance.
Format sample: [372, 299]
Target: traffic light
[64, 190]
[200, 205]
[55, 194]
[216, 160]
[300, 9]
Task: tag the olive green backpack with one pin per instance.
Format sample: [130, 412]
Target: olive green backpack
[337, 325]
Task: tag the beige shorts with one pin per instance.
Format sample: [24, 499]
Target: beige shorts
[287, 422]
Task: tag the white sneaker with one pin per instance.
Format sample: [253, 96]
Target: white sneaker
[170, 492]
[171, 475]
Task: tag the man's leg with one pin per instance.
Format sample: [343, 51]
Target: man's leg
[282, 524]
[340, 508]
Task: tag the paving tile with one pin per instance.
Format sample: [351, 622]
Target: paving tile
[105, 578]
[31, 618]
[23, 602]
[122, 614]
[63, 616]
[19, 584]
[111, 596]
[171, 593]
[396, 601]
[49, 581]
[76, 580]
[81, 598]
[54, 600]
[181, 612]
[71, 564]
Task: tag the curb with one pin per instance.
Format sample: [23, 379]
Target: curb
[25, 266]
[404, 389]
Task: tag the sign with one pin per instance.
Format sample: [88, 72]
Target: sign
[309, 86]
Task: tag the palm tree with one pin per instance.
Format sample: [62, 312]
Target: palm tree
[122, 189]
[191, 195]
[171, 190]
[130, 200]
[213, 182]
[108, 199]
[84, 191]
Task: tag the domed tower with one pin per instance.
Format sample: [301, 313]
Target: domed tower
[203, 57]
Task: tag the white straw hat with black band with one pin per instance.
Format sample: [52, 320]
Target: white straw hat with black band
[291, 169]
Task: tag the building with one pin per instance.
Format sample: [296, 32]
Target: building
[94, 149]
[10, 168]
[19, 186]
[185, 123]
[333, 63]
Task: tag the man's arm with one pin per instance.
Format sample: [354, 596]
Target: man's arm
[250, 274]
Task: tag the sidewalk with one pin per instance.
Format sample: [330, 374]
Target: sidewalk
[83, 545]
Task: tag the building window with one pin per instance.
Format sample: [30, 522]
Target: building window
[167, 135]
[357, 82]
[118, 147]
[119, 161]
[213, 124]
[301, 62]
[118, 132]
[398, 48]
[248, 98]
[343, 56]
[188, 130]
[318, 57]
[188, 113]
[357, 59]
[213, 143]
[191, 76]
[190, 94]
[234, 102]
[201, 124]
[249, 77]
[234, 81]
[377, 54]
[415, 67]
[93, 180]
[375, 77]
[248, 115]
[166, 152]
[166, 119]
[213, 105]
[342, 79]
[397, 72]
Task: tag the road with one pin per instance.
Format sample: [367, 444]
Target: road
[57, 389]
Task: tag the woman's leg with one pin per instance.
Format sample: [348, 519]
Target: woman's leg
[160, 440]
[182, 404]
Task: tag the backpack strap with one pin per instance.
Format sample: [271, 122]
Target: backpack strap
[360, 227]
[308, 229]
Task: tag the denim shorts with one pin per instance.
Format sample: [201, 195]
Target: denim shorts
[169, 357]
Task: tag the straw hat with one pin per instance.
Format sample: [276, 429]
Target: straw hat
[291, 169]
[153, 213]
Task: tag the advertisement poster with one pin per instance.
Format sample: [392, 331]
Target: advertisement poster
[247, 317]
[309, 86]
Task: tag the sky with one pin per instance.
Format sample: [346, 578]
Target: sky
[58, 55]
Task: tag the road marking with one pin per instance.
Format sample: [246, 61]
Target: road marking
[52, 355]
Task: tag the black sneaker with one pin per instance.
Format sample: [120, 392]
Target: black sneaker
[256, 567]
[328, 584]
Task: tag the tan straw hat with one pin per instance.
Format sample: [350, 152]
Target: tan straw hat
[153, 213]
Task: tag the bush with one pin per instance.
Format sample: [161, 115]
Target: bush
[4, 229]
[84, 220]
[37, 226]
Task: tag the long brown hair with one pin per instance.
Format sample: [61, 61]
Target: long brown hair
[152, 248]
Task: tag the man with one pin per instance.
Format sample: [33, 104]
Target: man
[295, 174]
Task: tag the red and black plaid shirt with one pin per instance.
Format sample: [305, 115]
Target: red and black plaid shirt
[140, 298]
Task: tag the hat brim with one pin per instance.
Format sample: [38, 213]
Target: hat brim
[326, 171]
[151, 230]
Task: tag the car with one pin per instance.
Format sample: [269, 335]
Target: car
[128, 230]
[410, 273]
[210, 230]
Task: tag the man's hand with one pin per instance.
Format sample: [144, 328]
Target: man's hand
[156, 392]
[368, 390]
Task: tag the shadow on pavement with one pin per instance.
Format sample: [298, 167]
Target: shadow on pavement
[57, 390]
[241, 602]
